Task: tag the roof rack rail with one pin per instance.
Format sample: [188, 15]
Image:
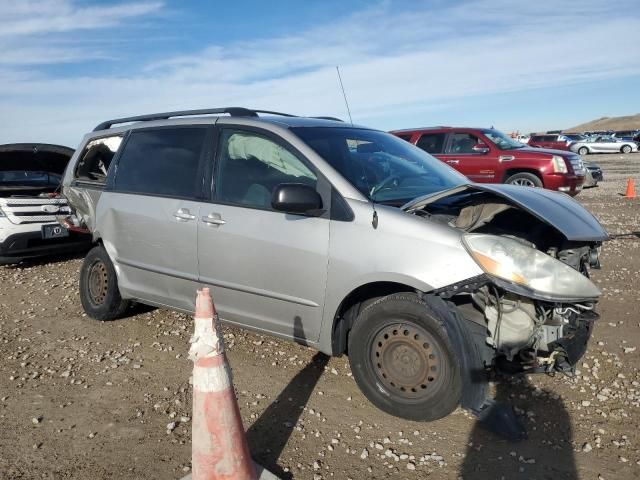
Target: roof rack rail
[336, 119]
[233, 111]
[269, 112]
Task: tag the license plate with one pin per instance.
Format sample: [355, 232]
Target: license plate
[54, 231]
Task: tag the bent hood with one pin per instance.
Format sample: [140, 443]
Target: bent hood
[34, 157]
[556, 209]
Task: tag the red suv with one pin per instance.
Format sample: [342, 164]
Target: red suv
[488, 156]
[559, 142]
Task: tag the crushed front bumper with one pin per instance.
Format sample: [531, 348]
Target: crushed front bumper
[569, 349]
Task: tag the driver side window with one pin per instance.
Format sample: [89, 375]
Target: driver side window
[463, 143]
[250, 166]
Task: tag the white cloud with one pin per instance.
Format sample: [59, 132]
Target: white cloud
[30, 17]
[391, 63]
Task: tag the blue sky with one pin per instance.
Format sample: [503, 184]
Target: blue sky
[66, 65]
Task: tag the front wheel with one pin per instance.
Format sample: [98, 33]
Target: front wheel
[403, 359]
[626, 149]
[583, 151]
[525, 179]
[99, 291]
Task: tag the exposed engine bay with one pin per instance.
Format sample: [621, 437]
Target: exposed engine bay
[524, 330]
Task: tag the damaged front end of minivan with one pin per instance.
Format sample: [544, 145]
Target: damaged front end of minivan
[534, 307]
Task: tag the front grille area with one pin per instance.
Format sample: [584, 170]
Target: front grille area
[577, 165]
[21, 210]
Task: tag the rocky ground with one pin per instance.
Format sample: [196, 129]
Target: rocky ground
[85, 399]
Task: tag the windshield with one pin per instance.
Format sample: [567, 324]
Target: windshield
[502, 141]
[383, 167]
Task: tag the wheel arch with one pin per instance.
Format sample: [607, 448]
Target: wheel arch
[353, 303]
[581, 147]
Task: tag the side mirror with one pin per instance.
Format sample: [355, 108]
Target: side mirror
[480, 148]
[298, 199]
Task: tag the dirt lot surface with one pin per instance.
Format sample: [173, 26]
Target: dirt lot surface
[90, 400]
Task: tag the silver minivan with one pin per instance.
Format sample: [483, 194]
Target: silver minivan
[340, 237]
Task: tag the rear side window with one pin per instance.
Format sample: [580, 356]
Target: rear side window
[96, 158]
[405, 136]
[163, 162]
[431, 142]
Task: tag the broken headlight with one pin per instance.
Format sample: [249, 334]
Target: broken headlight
[527, 271]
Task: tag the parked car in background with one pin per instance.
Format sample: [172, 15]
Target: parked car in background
[30, 175]
[602, 144]
[591, 133]
[343, 238]
[558, 142]
[594, 174]
[489, 156]
[625, 135]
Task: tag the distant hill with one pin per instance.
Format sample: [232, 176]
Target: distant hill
[629, 122]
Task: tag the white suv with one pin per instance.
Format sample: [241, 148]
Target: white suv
[30, 175]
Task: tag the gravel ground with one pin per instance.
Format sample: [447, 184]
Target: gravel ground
[85, 399]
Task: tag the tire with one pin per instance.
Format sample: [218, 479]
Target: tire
[99, 291]
[626, 149]
[525, 179]
[403, 359]
[583, 151]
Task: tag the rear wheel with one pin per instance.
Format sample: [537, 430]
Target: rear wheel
[583, 151]
[525, 179]
[99, 291]
[626, 149]
[403, 360]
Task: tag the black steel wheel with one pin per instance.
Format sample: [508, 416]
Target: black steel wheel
[406, 360]
[98, 282]
[403, 360]
[99, 291]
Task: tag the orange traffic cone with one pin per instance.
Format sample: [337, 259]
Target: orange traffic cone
[219, 446]
[631, 189]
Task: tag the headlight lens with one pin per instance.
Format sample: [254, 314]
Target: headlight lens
[559, 165]
[510, 260]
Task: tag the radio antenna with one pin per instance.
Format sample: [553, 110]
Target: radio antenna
[344, 95]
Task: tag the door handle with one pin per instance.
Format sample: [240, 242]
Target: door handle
[213, 219]
[183, 215]
[453, 162]
[506, 158]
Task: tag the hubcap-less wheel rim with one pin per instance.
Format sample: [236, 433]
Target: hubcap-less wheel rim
[523, 182]
[407, 361]
[98, 282]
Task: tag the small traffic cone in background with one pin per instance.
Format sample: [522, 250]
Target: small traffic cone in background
[219, 445]
[631, 189]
